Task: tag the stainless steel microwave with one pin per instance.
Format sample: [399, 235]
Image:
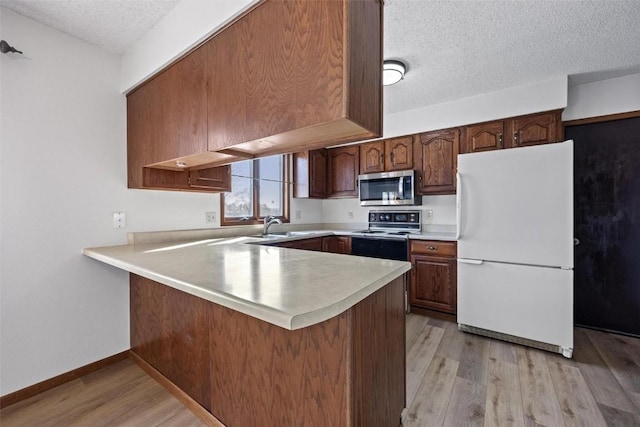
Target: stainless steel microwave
[388, 189]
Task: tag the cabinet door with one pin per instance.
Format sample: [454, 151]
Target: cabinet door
[310, 174]
[399, 153]
[343, 167]
[337, 244]
[537, 129]
[166, 117]
[218, 178]
[372, 157]
[433, 283]
[313, 244]
[436, 158]
[484, 137]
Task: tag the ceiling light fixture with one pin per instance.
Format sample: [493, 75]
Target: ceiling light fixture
[392, 72]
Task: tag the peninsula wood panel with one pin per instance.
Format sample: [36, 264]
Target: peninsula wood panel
[169, 330]
[346, 371]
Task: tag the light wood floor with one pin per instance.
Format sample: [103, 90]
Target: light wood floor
[459, 379]
[453, 379]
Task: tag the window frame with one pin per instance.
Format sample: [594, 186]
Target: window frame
[256, 218]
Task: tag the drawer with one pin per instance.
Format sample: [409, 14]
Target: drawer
[433, 247]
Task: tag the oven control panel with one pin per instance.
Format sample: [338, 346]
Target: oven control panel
[395, 217]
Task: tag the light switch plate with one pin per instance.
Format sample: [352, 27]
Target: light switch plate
[210, 217]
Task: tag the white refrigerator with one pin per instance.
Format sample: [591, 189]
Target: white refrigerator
[515, 245]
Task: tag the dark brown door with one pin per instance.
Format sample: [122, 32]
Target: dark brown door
[607, 224]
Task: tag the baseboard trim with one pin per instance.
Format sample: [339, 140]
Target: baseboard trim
[27, 392]
[434, 314]
[183, 397]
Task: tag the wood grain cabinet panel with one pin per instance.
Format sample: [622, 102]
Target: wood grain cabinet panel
[399, 153]
[343, 167]
[372, 158]
[346, 371]
[436, 157]
[304, 73]
[386, 155]
[337, 244]
[287, 75]
[433, 276]
[310, 174]
[484, 137]
[537, 129]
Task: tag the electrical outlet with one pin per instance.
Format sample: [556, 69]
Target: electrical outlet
[298, 215]
[350, 214]
[119, 220]
[429, 214]
[210, 217]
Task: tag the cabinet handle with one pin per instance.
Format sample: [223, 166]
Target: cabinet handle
[432, 248]
[515, 138]
[381, 158]
[500, 141]
[392, 161]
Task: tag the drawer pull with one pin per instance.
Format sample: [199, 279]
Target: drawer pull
[432, 248]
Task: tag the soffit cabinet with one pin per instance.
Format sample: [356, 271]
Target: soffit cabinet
[288, 75]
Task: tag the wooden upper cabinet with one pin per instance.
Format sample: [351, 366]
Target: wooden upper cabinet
[484, 137]
[436, 154]
[372, 157]
[533, 129]
[537, 129]
[292, 74]
[310, 174]
[387, 155]
[343, 168]
[399, 153]
[165, 117]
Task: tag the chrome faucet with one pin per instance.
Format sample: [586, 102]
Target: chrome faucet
[268, 221]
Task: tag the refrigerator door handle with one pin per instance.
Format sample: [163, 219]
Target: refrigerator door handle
[458, 206]
[470, 261]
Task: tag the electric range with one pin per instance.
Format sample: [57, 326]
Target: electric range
[387, 234]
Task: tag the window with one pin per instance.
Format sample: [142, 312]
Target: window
[258, 189]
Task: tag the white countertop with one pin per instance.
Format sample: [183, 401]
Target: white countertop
[286, 287]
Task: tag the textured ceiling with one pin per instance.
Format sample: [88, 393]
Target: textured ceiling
[111, 24]
[456, 49]
[453, 49]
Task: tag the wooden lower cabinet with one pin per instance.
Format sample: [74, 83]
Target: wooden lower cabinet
[337, 244]
[433, 276]
[346, 371]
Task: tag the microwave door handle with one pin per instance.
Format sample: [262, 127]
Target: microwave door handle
[401, 188]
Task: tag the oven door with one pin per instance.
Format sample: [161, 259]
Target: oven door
[380, 247]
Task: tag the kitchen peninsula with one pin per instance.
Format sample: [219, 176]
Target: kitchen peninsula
[262, 335]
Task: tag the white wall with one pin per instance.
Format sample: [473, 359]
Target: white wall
[601, 98]
[188, 24]
[532, 98]
[62, 174]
